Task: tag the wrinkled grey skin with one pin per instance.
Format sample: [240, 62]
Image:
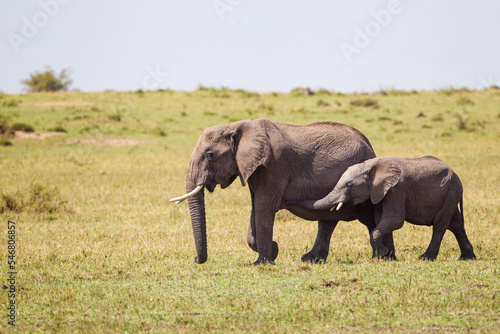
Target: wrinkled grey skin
[281, 163]
[422, 191]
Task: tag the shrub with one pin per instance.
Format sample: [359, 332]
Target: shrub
[247, 94]
[22, 127]
[10, 203]
[10, 130]
[4, 125]
[464, 100]
[159, 132]
[462, 122]
[58, 129]
[452, 90]
[115, 117]
[47, 81]
[322, 103]
[366, 102]
[323, 91]
[393, 92]
[5, 142]
[37, 198]
[300, 91]
[10, 103]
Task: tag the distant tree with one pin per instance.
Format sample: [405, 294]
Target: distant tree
[47, 81]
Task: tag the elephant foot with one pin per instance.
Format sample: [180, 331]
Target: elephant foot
[427, 257]
[391, 256]
[388, 257]
[383, 253]
[276, 250]
[314, 256]
[263, 260]
[467, 257]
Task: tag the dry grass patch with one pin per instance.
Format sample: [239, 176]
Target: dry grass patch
[36, 135]
[105, 141]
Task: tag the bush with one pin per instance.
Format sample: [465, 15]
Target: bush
[246, 94]
[322, 103]
[300, 91]
[115, 117]
[5, 142]
[47, 81]
[4, 125]
[58, 129]
[22, 127]
[10, 103]
[37, 199]
[159, 132]
[367, 102]
[464, 100]
[462, 122]
[10, 130]
[323, 91]
[396, 92]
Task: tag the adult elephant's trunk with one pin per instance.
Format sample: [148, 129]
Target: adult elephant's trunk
[198, 220]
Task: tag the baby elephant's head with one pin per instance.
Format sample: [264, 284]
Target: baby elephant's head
[367, 180]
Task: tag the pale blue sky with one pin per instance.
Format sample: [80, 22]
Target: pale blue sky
[253, 44]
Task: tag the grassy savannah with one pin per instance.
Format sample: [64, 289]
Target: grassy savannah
[100, 249]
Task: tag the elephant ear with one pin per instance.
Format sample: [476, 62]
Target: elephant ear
[384, 175]
[251, 146]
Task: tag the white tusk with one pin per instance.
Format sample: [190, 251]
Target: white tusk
[339, 206]
[177, 200]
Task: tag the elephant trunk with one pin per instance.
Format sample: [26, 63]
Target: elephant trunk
[329, 202]
[198, 221]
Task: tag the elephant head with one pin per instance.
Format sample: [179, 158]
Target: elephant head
[371, 180]
[223, 153]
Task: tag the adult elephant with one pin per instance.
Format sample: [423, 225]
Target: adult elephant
[282, 164]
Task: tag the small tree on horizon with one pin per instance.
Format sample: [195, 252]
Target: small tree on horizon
[47, 81]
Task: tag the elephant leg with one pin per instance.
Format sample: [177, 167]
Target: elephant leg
[389, 243]
[252, 235]
[370, 216]
[376, 241]
[321, 247]
[382, 233]
[263, 217]
[457, 228]
[433, 250]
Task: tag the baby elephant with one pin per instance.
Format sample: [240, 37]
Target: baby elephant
[422, 191]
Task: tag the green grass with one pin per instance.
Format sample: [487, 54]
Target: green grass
[100, 249]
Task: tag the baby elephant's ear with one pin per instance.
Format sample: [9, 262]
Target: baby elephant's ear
[384, 175]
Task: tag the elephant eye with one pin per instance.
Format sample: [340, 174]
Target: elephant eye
[348, 185]
[209, 154]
